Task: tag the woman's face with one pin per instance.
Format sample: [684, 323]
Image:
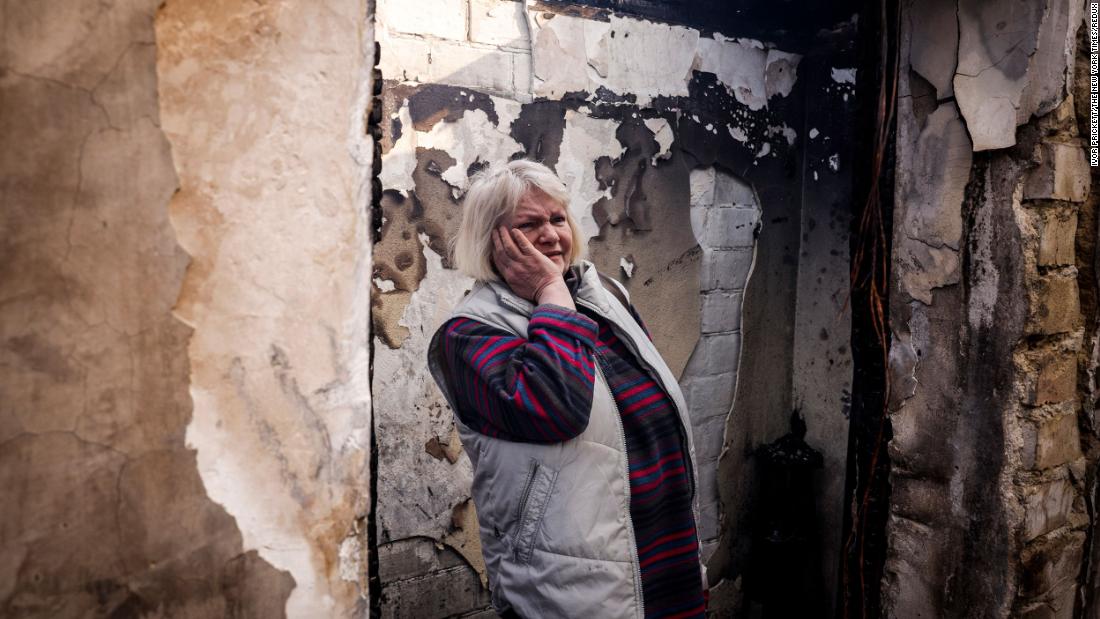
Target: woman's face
[543, 222]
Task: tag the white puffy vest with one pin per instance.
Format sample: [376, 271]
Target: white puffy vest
[555, 520]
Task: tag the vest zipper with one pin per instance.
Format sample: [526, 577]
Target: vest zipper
[527, 490]
[636, 563]
[522, 516]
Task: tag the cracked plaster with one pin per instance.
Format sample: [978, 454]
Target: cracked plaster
[931, 178]
[258, 102]
[934, 43]
[1014, 61]
[473, 138]
[644, 213]
[105, 507]
[424, 171]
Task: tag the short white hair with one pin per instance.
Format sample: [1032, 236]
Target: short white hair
[495, 192]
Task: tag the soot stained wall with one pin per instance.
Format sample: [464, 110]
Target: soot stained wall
[682, 183]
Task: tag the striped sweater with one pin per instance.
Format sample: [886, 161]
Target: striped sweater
[539, 389]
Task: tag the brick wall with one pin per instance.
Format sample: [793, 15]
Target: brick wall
[725, 215]
[477, 43]
[1049, 479]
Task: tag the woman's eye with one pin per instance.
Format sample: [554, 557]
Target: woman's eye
[525, 226]
[558, 219]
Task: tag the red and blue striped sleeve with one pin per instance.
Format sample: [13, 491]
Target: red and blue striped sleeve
[534, 389]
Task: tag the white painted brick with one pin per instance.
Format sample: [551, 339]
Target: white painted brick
[405, 59]
[708, 435]
[708, 516]
[707, 469]
[726, 269]
[698, 216]
[730, 190]
[476, 67]
[521, 72]
[710, 395]
[701, 183]
[723, 351]
[438, 18]
[447, 62]
[730, 227]
[721, 311]
[498, 22]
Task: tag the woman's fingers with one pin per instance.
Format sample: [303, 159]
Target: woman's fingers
[523, 244]
[508, 243]
[525, 269]
[540, 261]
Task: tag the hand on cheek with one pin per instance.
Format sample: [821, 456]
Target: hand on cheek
[526, 270]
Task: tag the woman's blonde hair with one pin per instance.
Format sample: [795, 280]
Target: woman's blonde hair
[494, 193]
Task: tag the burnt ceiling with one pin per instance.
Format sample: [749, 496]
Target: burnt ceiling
[793, 25]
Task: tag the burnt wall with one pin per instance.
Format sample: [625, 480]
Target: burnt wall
[790, 24]
[692, 161]
[987, 514]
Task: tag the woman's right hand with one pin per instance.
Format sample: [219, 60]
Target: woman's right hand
[527, 271]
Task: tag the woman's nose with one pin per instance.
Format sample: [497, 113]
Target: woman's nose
[547, 235]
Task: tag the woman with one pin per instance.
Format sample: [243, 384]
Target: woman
[576, 429]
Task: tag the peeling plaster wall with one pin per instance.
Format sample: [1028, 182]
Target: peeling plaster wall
[203, 408]
[987, 506]
[677, 147]
[264, 106]
[104, 510]
[1001, 49]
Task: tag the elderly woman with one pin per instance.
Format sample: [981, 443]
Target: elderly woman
[576, 429]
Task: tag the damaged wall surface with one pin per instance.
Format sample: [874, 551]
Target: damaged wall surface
[104, 510]
[262, 104]
[988, 504]
[186, 357]
[679, 149]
